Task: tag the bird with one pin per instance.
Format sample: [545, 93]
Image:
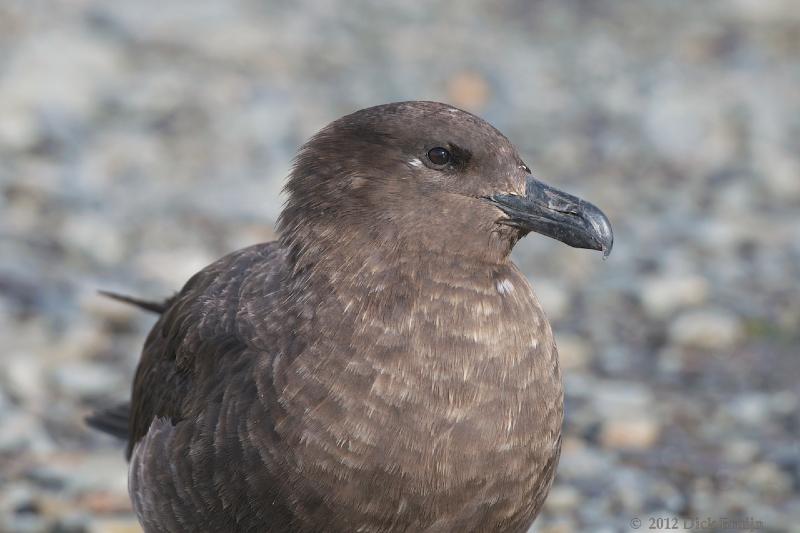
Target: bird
[383, 365]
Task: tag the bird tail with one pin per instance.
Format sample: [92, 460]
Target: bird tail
[113, 420]
[148, 305]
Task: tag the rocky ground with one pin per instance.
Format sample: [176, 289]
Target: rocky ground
[141, 140]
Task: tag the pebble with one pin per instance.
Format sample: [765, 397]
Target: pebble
[93, 237]
[102, 471]
[468, 90]
[751, 409]
[557, 525]
[573, 352]
[562, 499]
[630, 488]
[706, 329]
[580, 462]
[105, 503]
[172, 268]
[663, 295]
[115, 525]
[617, 399]
[84, 339]
[24, 376]
[740, 451]
[630, 434]
[23, 432]
[85, 379]
[768, 478]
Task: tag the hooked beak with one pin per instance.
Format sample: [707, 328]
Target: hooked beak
[549, 211]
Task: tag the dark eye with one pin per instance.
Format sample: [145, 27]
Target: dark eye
[439, 156]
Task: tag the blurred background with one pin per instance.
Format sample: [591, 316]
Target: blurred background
[139, 141]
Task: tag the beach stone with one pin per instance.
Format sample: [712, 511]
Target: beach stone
[706, 329]
[751, 408]
[81, 473]
[23, 431]
[581, 462]
[562, 499]
[24, 376]
[85, 379]
[573, 352]
[630, 433]
[557, 525]
[740, 451]
[106, 502]
[615, 399]
[768, 478]
[468, 90]
[93, 237]
[174, 267]
[115, 525]
[665, 294]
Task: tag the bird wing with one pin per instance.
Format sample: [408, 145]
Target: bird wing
[202, 339]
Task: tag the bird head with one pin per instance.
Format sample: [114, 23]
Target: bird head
[429, 176]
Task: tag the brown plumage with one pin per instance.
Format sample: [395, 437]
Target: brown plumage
[384, 366]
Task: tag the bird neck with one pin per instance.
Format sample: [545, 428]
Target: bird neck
[384, 276]
[365, 250]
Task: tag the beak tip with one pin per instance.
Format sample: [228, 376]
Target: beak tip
[607, 242]
[602, 229]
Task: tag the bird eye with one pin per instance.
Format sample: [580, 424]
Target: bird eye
[439, 156]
